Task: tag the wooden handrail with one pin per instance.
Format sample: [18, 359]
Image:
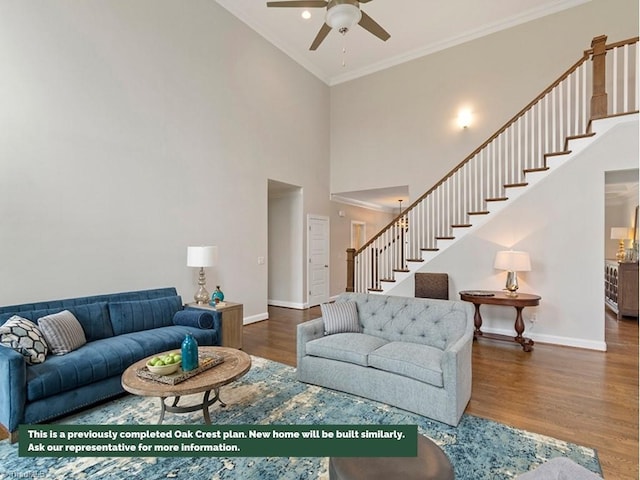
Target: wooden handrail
[622, 43]
[480, 148]
[599, 109]
[573, 68]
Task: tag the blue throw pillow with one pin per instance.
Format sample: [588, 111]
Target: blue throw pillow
[93, 317]
[127, 317]
[191, 317]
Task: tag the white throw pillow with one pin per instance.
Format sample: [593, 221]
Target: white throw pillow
[62, 331]
[340, 317]
[24, 337]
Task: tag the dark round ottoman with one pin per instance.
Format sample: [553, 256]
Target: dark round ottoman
[431, 463]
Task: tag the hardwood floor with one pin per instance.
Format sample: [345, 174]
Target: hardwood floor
[581, 396]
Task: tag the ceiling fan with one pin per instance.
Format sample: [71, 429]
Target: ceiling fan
[341, 15]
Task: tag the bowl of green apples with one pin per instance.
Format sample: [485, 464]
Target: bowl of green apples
[165, 364]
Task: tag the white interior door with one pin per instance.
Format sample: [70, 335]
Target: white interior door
[318, 257]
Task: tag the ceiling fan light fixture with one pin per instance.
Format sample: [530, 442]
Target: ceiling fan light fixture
[343, 16]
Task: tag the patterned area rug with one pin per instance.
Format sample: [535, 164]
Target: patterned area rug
[270, 394]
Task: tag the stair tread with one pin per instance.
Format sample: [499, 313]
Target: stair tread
[577, 137]
[557, 154]
[582, 135]
[563, 149]
[481, 212]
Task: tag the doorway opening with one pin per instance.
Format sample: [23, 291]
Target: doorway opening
[285, 245]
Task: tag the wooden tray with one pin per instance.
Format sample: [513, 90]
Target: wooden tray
[205, 362]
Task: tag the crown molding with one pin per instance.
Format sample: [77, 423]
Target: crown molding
[235, 9]
[485, 30]
[360, 203]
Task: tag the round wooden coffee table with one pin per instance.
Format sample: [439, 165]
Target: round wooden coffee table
[236, 364]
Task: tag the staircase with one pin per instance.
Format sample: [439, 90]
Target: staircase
[551, 130]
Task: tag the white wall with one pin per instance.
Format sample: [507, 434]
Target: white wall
[341, 237]
[286, 257]
[407, 134]
[559, 222]
[405, 116]
[130, 130]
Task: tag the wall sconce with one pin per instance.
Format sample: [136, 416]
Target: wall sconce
[512, 262]
[464, 118]
[621, 234]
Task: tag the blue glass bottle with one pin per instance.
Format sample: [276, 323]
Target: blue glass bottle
[217, 295]
[189, 353]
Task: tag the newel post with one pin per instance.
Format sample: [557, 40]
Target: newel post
[351, 269]
[599, 96]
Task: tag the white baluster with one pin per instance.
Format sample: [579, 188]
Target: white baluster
[576, 106]
[636, 103]
[625, 104]
[614, 87]
[561, 128]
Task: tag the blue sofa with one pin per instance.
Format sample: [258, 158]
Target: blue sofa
[120, 329]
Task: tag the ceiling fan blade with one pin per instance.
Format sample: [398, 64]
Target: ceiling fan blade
[370, 24]
[322, 34]
[302, 4]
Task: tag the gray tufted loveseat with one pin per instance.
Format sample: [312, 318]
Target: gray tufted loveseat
[413, 353]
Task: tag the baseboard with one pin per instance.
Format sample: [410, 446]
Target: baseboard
[553, 339]
[279, 303]
[255, 318]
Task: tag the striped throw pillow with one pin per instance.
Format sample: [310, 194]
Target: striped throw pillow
[62, 331]
[340, 317]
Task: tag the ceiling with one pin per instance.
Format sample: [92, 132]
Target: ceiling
[417, 28]
[382, 199]
[621, 186]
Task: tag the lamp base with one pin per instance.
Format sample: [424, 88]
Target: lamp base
[202, 295]
[621, 254]
[512, 284]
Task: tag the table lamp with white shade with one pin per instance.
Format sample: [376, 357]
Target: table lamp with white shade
[513, 262]
[201, 257]
[621, 234]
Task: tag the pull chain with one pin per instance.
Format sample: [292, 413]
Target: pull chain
[344, 47]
